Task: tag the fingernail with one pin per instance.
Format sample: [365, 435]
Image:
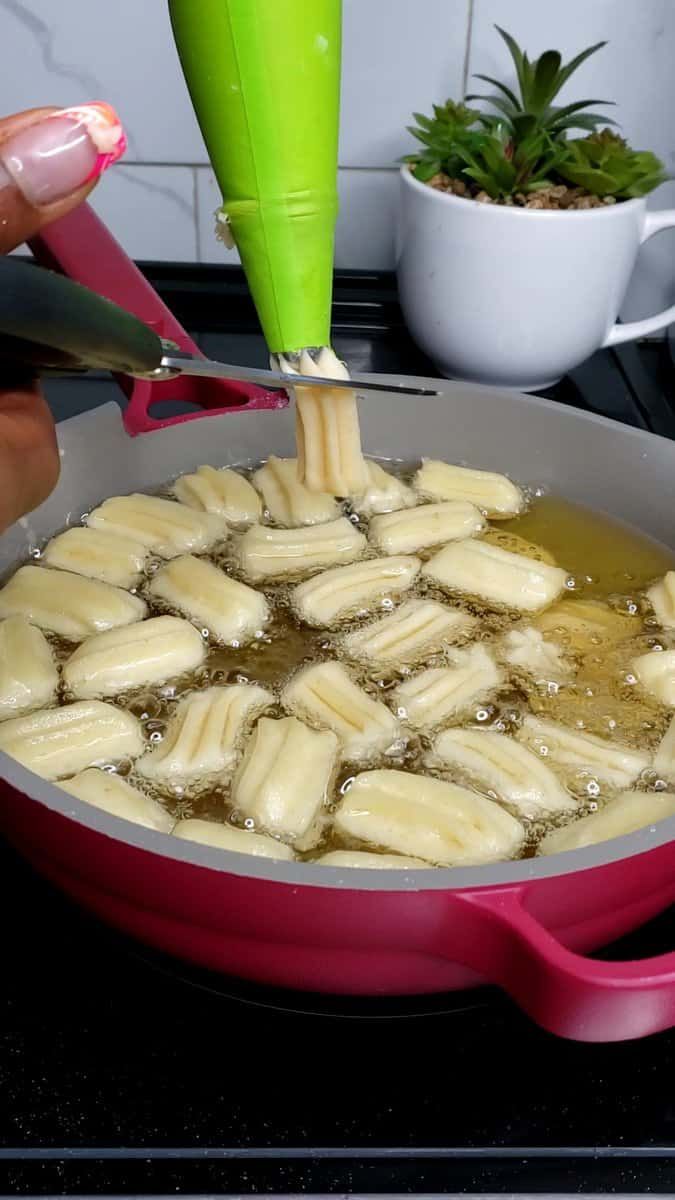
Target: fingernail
[56, 156]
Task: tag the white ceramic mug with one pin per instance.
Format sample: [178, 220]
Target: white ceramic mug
[517, 297]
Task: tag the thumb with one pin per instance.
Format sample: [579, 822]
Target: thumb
[50, 159]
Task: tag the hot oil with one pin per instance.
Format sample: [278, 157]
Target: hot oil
[613, 563]
[605, 560]
[605, 557]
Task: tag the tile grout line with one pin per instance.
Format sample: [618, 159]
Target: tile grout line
[196, 167]
[467, 52]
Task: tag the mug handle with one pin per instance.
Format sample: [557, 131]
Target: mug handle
[655, 222]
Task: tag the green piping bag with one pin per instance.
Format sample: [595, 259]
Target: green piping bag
[264, 78]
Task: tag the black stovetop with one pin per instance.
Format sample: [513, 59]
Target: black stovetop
[122, 1073]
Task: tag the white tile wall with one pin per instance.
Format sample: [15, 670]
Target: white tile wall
[367, 218]
[151, 210]
[68, 51]
[210, 249]
[398, 55]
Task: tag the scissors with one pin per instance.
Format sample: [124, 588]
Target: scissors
[49, 323]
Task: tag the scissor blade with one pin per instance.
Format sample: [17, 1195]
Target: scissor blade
[277, 379]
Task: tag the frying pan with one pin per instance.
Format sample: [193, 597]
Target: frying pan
[527, 925]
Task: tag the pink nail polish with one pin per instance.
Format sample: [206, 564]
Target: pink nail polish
[51, 159]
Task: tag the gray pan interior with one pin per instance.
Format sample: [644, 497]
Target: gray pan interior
[607, 466]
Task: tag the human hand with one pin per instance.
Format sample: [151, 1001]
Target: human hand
[50, 160]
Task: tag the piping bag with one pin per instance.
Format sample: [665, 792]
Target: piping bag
[264, 79]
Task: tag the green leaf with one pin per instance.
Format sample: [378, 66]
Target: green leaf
[574, 63]
[646, 160]
[524, 125]
[536, 185]
[598, 182]
[528, 77]
[489, 121]
[421, 135]
[516, 55]
[503, 105]
[493, 155]
[544, 83]
[642, 186]
[567, 110]
[484, 181]
[425, 171]
[501, 87]
[501, 131]
[456, 116]
[424, 122]
[499, 165]
[441, 114]
[583, 121]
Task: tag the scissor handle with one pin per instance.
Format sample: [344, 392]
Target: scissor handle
[82, 247]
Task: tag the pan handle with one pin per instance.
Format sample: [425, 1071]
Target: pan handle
[575, 997]
[81, 246]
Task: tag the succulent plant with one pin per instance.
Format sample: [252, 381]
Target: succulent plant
[502, 165]
[523, 146]
[605, 165]
[539, 83]
[451, 129]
